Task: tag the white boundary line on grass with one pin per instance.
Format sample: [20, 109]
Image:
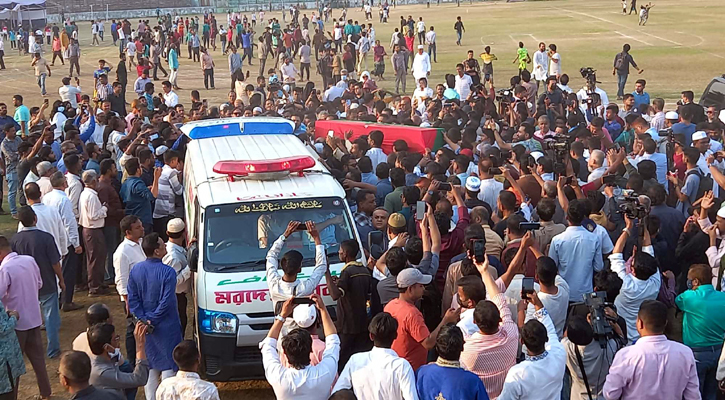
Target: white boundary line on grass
[633, 38]
[623, 26]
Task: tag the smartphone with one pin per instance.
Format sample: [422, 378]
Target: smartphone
[302, 300]
[479, 250]
[204, 102]
[45, 101]
[529, 226]
[331, 133]
[154, 136]
[420, 210]
[495, 171]
[445, 187]
[376, 246]
[569, 180]
[527, 286]
[301, 227]
[609, 179]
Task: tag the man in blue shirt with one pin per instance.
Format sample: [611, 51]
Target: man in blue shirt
[136, 195]
[577, 252]
[446, 378]
[640, 96]
[152, 299]
[22, 115]
[685, 126]
[384, 187]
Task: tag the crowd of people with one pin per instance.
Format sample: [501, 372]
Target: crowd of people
[542, 251]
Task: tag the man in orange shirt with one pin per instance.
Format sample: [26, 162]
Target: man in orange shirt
[414, 339]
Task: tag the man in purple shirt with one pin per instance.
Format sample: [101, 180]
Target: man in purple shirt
[20, 282]
[654, 368]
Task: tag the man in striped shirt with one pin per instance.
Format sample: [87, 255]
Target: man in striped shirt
[490, 352]
[169, 188]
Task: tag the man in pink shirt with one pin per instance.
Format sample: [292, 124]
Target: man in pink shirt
[19, 284]
[654, 368]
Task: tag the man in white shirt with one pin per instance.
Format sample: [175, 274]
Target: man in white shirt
[555, 64]
[541, 65]
[430, 40]
[541, 374]
[289, 73]
[363, 47]
[490, 187]
[421, 64]
[176, 258]
[74, 187]
[58, 200]
[48, 218]
[376, 153]
[643, 283]
[596, 165]
[379, 374]
[422, 93]
[92, 217]
[300, 381]
[186, 384]
[171, 99]
[69, 92]
[128, 254]
[420, 28]
[553, 292]
[463, 83]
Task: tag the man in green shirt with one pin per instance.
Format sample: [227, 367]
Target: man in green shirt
[703, 325]
[394, 201]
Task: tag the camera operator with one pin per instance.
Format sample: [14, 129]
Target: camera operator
[596, 355]
[586, 92]
[643, 283]
[552, 99]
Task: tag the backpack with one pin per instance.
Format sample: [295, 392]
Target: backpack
[705, 182]
[619, 61]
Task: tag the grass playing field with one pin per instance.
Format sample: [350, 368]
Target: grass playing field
[680, 49]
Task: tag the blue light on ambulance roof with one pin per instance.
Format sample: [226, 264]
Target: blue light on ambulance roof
[240, 128]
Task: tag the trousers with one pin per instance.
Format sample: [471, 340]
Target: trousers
[31, 343]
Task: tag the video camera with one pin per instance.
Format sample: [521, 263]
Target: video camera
[504, 95]
[596, 302]
[561, 145]
[589, 73]
[631, 206]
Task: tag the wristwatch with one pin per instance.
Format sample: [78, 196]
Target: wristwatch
[279, 318]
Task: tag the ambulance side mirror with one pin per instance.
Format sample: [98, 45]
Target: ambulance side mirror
[193, 252]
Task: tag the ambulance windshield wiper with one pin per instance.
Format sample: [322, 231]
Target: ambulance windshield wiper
[240, 265]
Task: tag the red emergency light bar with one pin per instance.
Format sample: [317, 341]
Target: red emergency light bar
[247, 167]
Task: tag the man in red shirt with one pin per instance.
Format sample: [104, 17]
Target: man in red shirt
[414, 339]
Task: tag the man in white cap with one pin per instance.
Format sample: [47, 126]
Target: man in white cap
[421, 65]
[701, 141]
[305, 317]
[473, 188]
[176, 258]
[414, 339]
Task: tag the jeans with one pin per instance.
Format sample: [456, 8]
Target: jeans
[130, 339]
[41, 83]
[621, 83]
[432, 52]
[128, 368]
[51, 315]
[12, 178]
[458, 36]
[706, 363]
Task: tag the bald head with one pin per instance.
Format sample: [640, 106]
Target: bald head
[549, 189]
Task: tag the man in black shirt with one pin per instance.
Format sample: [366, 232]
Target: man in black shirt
[31, 241]
[122, 75]
[117, 99]
[351, 290]
[697, 112]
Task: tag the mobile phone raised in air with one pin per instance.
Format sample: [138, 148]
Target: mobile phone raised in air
[529, 226]
[445, 187]
[495, 171]
[420, 210]
[301, 227]
[302, 300]
[527, 286]
[479, 250]
[331, 133]
[375, 244]
[609, 179]
[569, 180]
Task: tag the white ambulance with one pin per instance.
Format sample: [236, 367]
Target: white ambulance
[244, 180]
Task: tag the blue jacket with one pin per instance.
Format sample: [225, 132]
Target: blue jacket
[138, 199]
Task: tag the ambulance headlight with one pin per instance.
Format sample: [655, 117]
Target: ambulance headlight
[217, 322]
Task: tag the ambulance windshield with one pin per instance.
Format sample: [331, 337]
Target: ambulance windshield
[238, 236]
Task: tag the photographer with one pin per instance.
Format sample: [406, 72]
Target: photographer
[552, 100]
[596, 356]
[642, 284]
